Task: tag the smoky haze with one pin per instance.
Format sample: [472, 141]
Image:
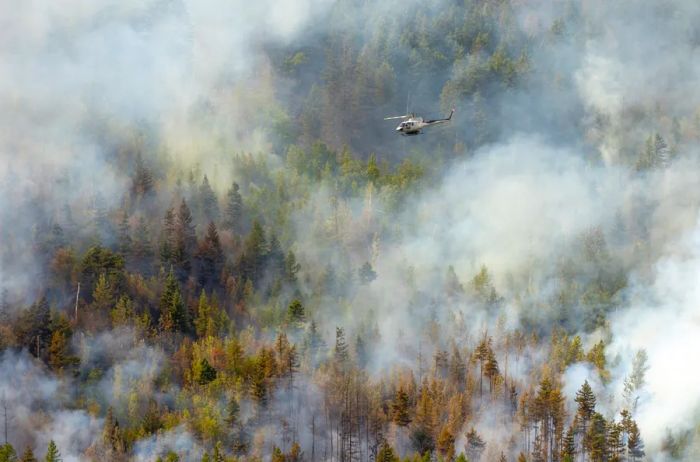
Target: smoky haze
[529, 169]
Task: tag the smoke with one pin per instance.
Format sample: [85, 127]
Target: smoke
[37, 409]
[177, 440]
[662, 318]
[192, 78]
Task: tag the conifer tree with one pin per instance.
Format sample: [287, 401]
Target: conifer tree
[446, 443]
[185, 241]
[210, 257]
[204, 372]
[386, 454]
[491, 368]
[595, 440]
[586, 407]
[233, 410]
[58, 350]
[475, 445]
[52, 453]
[291, 268]
[173, 314]
[102, 295]
[28, 456]
[208, 201]
[482, 354]
[341, 353]
[400, 409]
[634, 442]
[123, 312]
[167, 239]
[295, 312]
[254, 254]
[33, 327]
[234, 210]
[142, 180]
[275, 259]
[568, 449]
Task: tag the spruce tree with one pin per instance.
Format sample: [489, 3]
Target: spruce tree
[234, 210]
[52, 453]
[295, 312]
[173, 314]
[208, 201]
[595, 440]
[586, 407]
[568, 450]
[210, 257]
[185, 241]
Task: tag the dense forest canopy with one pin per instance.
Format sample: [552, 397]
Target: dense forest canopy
[213, 247]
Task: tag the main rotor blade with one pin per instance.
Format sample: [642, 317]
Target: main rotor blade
[397, 117]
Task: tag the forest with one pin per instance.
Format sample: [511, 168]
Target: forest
[214, 248]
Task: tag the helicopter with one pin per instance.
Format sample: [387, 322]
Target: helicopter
[413, 125]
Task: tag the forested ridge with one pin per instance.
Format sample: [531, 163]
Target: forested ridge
[214, 248]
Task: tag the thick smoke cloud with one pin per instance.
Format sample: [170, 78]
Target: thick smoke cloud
[193, 77]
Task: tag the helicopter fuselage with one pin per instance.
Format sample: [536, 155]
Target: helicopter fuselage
[411, 126]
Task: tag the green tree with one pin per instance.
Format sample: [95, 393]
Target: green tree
[586, 407]
[185, 241]
[210, 257]
[595, 440]
[52, 453]
[7, 453]
[102, 295]
[254, 252]
[568, 448]
[234, 210]
[208, 201]
[204, 372]
[296, 314]
[167, 239]
[173, 314]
